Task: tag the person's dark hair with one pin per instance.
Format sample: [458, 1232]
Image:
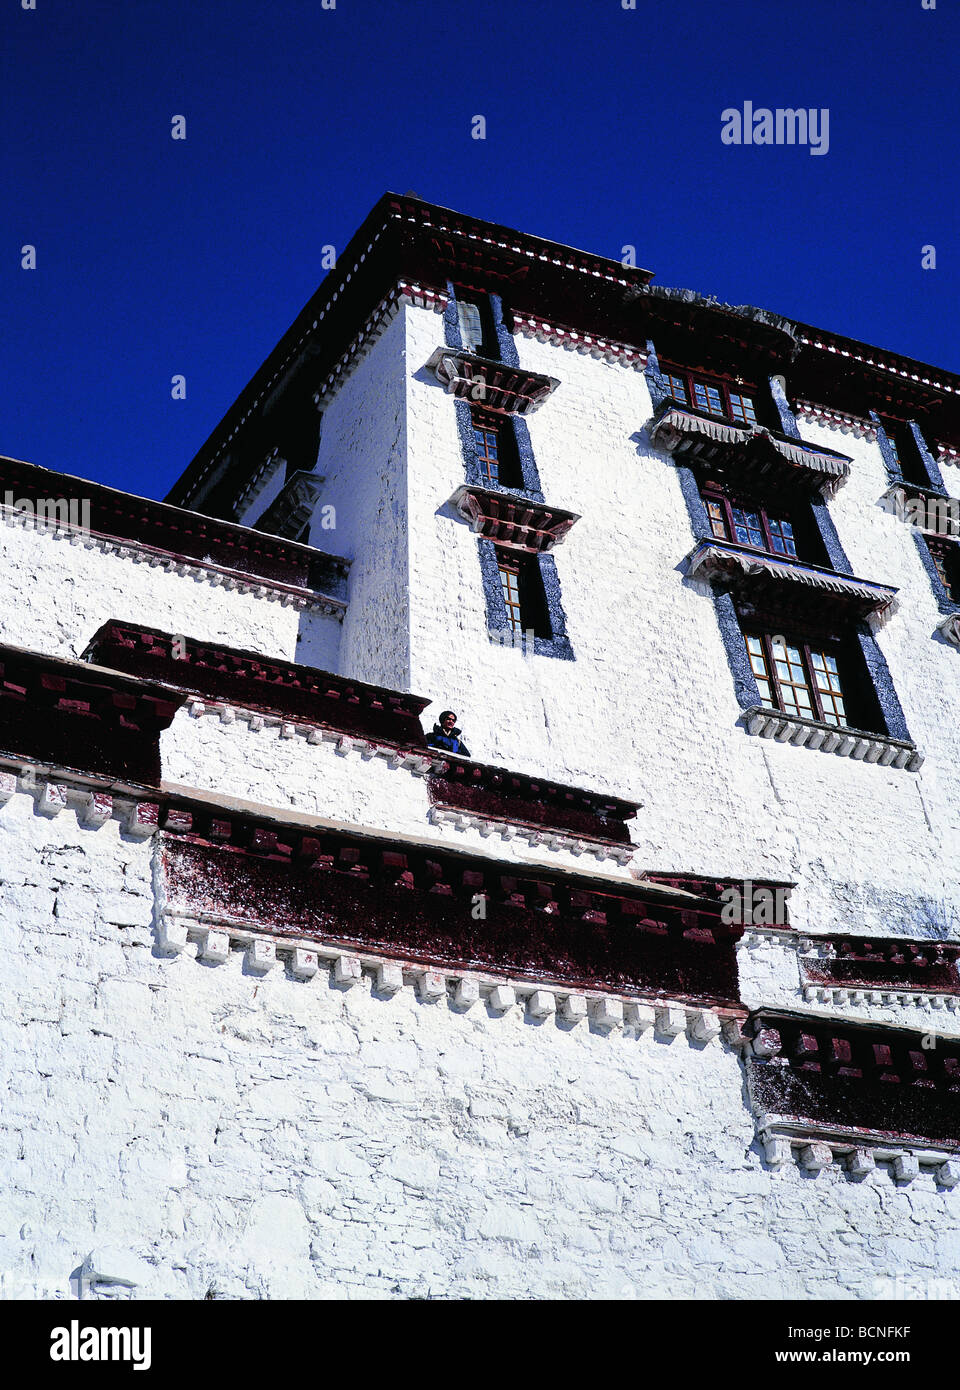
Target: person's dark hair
[443, 714]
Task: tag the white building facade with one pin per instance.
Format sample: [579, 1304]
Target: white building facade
[300, 1005]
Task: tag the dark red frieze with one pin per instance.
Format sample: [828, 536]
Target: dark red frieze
[704, 887]
[853, 377]
[529, 801]
[512, 521]
[180, 534]
[707, 336]
[61, 714]
[462, 239]
[252, 681]
[472, 260]
[927, 967]
[159, 666]
[827, 1077]
[419, 903]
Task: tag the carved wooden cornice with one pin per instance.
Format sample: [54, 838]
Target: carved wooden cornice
[747, 452]
[512, 521]
[493, 385]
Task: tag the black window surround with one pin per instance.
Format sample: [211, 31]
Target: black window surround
[542, 590]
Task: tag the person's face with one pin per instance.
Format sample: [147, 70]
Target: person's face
[447, 722]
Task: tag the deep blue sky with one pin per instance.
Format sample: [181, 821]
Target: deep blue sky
[603, 128]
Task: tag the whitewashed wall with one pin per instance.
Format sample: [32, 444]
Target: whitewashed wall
[58, 592]
[219, 1132]
[252, 1136]
[363, 458]
[647, 710]
[271, 770]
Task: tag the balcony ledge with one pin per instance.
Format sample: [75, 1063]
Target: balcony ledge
[743, 567]
[512, 521]
[846, 743]
[493, 385]
[751, 450]
[949, 628]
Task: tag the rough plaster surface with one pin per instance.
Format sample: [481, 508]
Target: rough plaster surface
[363, 458]
[57, 593]
[257, 1136]
[230, 1133]
[647, 709]
[266, 769]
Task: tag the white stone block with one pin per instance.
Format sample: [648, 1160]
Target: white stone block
[948, 1174]
[733, 1032]
[8, 785]
[431, 986]
[142, 819]
[51, 799]
[816, 1156]
[389, 977]
[777, 1151]
[304, 964]
[216, 946]
[705, 1025]
[573, 1008]
[347, 971]
[640, 1016]
[671, 1021]
[172, 935]
[261, 956]
[97, 809]
[288, 730]
[541, 1004]
[766, 1043]
[502, 998]
[861, 1162]
[906, 1167]
[467, 993]
[607, 1012]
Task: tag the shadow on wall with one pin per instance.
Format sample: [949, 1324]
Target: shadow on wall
[318, 641]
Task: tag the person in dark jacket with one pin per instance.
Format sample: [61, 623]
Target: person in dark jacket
[446, 735]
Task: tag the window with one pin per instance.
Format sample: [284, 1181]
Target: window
[522, 586]
[750, 525]
[797, 678]
[706, 397]
[906, 452]
[712, 396]
[486, 436]
[946, 561]
[676, 387]
[497, 456]
[475, 318]
[741, 408]
[510, 581]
